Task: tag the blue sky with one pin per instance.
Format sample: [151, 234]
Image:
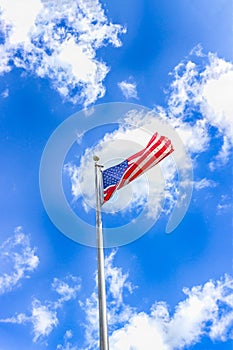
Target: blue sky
[62, 58]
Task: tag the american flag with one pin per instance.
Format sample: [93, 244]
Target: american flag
[121, 174]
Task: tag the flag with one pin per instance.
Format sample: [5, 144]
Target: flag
[123, 173]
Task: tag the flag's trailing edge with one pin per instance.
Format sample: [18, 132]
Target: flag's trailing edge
[121, 174]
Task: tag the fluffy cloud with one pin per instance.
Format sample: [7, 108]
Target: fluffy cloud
[118, 311]
[203, 312]
[58, 40]
[140, 333]
[206, 311]
[200, 99]
[224, 204]
[67, 289]
[43, 319]
[18, 259]
[204, 183]
[129, 89]
[5, 93]
[67, 345]
[19, 18]
[44, 316]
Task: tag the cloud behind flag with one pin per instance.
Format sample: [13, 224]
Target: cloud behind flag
[123, 173]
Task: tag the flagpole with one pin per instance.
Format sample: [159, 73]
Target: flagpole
[103, 323]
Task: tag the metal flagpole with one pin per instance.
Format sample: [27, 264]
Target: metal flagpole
[103, 323]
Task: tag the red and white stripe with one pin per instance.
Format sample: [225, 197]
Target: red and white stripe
[157, 149]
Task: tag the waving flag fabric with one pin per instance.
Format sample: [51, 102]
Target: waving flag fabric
[123, 173]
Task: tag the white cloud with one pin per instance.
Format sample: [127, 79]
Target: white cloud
[206, 311]
[116, 279]
[224, 204]
[117, 285]
[18, 319]
[217, 93]
[44, 316]
[5, 93]
[67, 345]
[20, 17]
[58, 40]
[73, 172]
[204, 183]
[82, 66]
[203, 313]
[18, 259]
[195, 137]
[223, 155]
[203, 89]
[183, 86]
[67, 289]
[118, 311]
[129, 89]
[141, 333]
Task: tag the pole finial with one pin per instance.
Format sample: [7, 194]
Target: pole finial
[96, 158]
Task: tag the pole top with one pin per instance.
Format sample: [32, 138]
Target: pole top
[96, 158]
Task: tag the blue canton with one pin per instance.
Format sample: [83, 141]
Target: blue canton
[112, 176]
